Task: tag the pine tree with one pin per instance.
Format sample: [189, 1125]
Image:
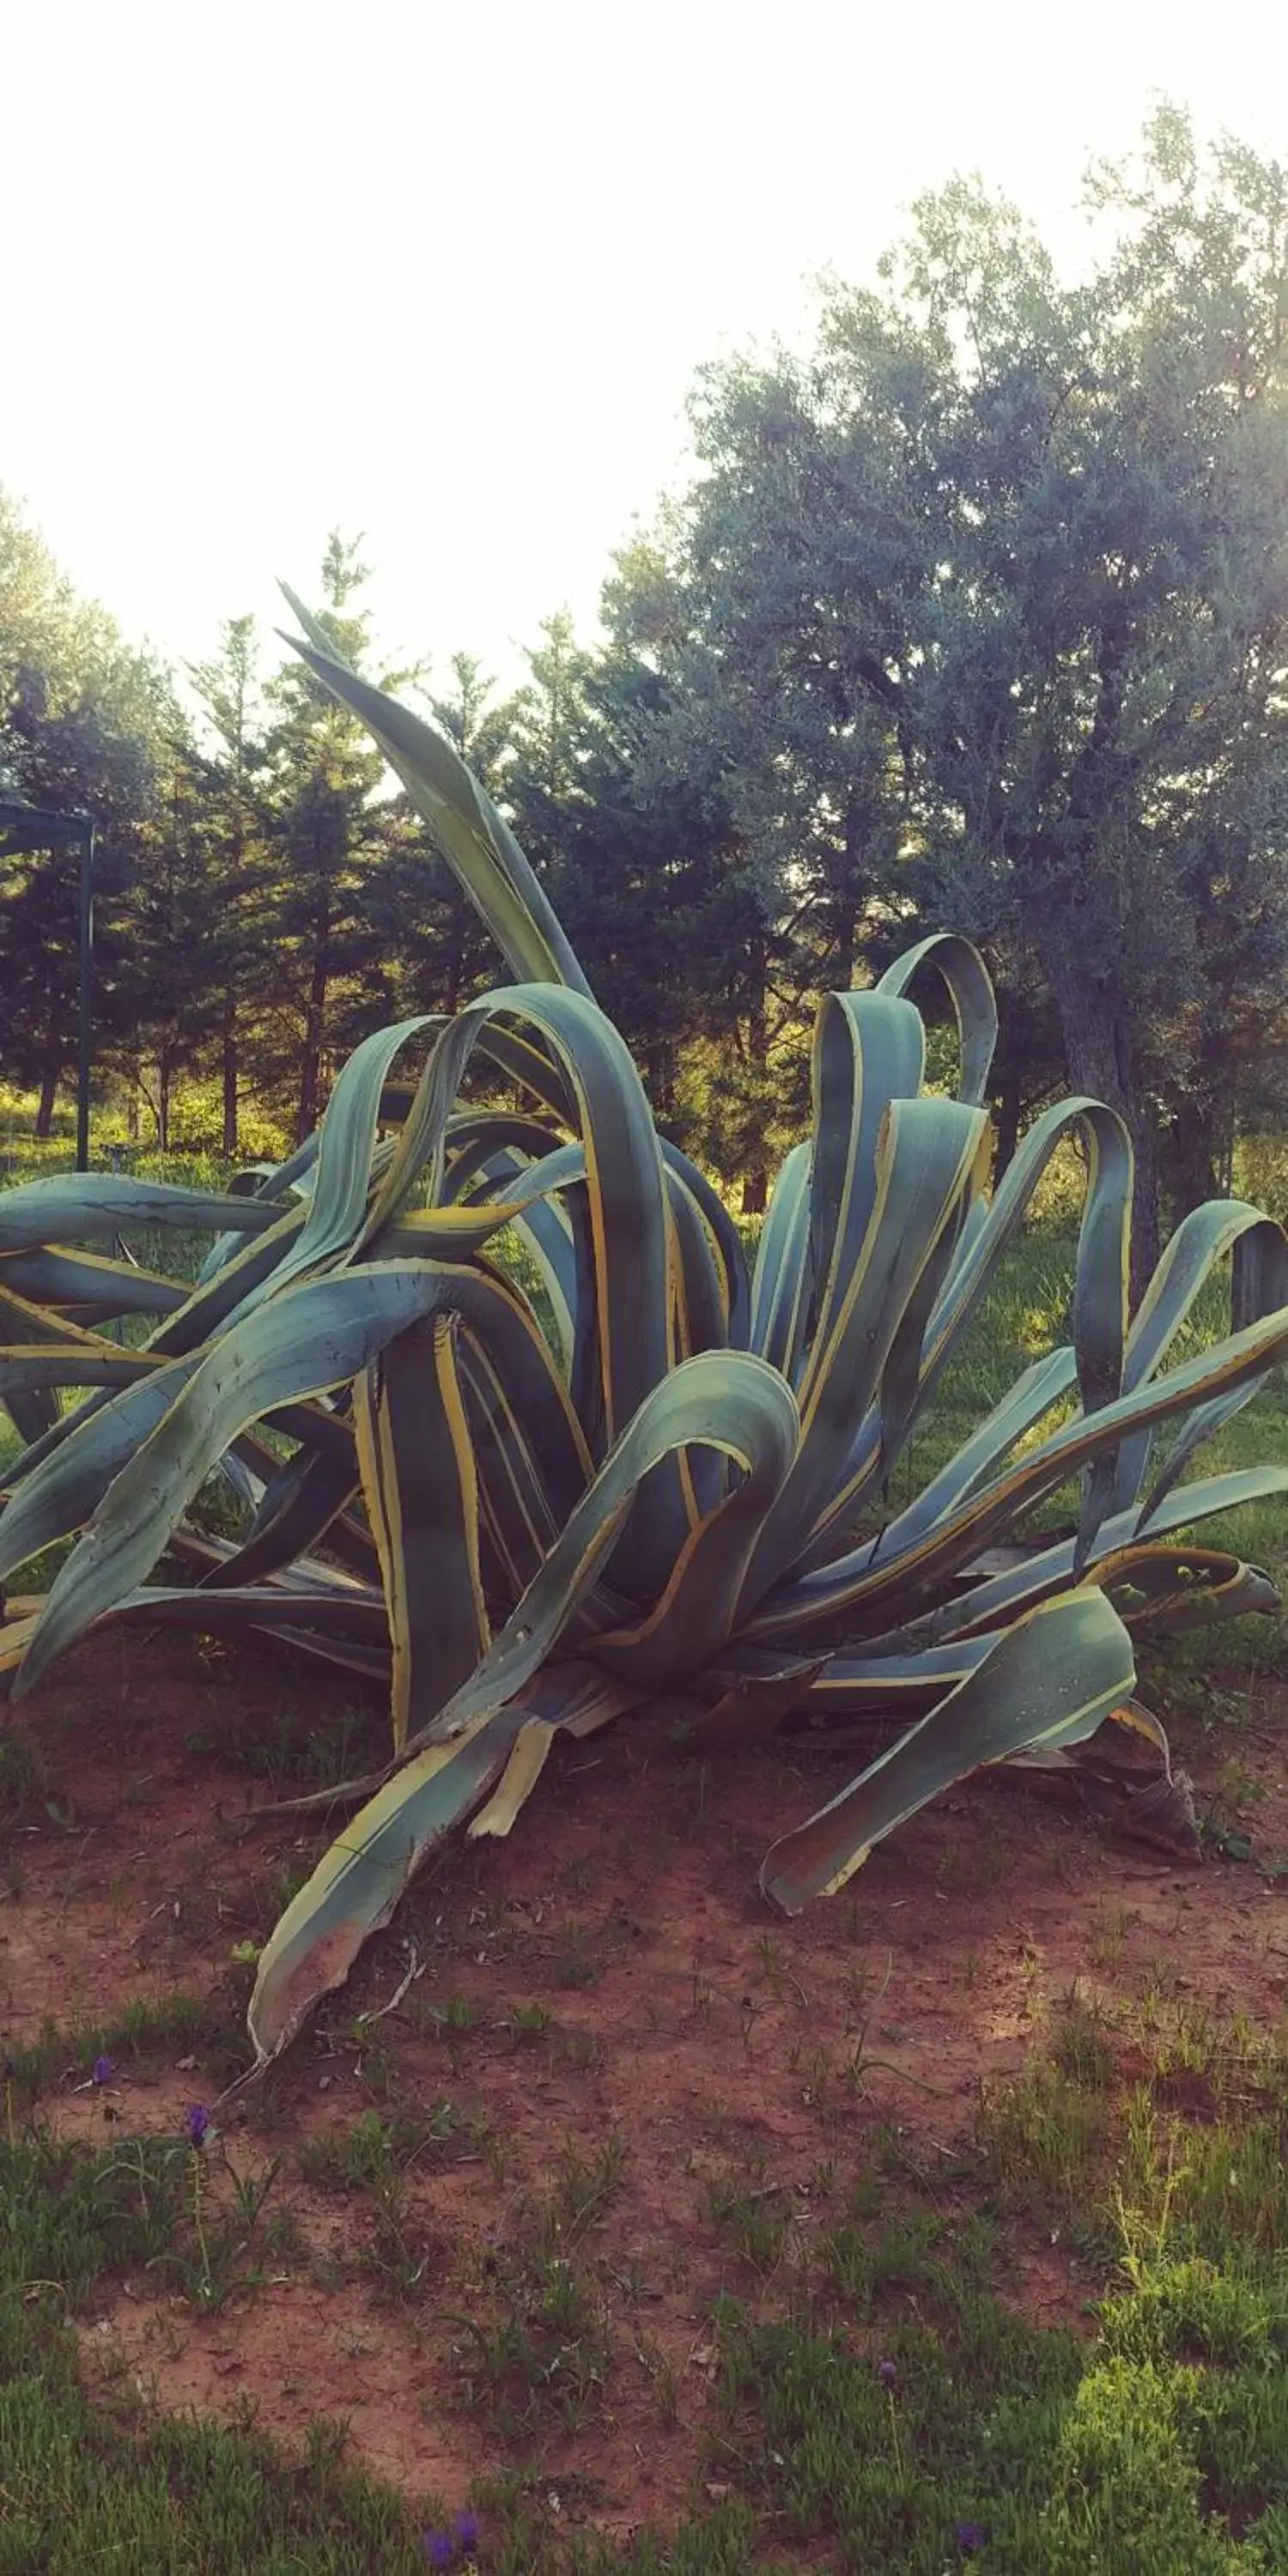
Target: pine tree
[328, 833]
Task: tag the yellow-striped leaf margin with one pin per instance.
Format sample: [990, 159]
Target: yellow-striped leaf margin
[1049, 1681]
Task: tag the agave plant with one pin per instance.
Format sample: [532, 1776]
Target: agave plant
[523, 1436]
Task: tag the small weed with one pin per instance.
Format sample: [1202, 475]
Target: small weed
[581, 2050]
[459, 2014]
[754, 2221]
[573, 1965]
[147, 2031]
[1107, 1936]
[526, 2021]
[666, 2385]
[24, 1780]
[289, 1750]
[1042, 2138]
[376, 2152]
[585, 2187]
[224, 2249]
[543, 2363]
[1082, 2052]
[375, 2156]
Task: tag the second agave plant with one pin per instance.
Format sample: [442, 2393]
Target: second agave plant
[521, 1436]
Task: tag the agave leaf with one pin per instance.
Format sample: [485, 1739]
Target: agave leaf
[1259, 1285]
[967, 982]
[869, 1051]
[82, 1207]
[695, 1613]
[754, 1705]
[299, 1506]
[916, 1678]
[463, 822]
[899, 1388]
[1041, 1387]
[1151, 1584]
[354, 1613]
[872, 1582]
[90, 1283]
[1163, 1590]
[528, 1064]
[628, 1229]
[279, 1181]
[312, 1337]
[727, 1400]
[26, 1386]
[358, 1882]
[24, 1321]
[65, 1485]
[1100, 1295]
[336, 1221]
[208, 1306]
[16, 1634]
[926, 1152]
[518, 1780]
[1002, 1596]
[782, 1281]
[1100, 1308]
[1200, 1426]
[50, 1364]
[735, 1292]
[623, 1164]
[521, 1411]
[1050, 1680]
[544, 1223]
[476, 1137]
[699, 1283]
[418, 1474]
[452, 1233]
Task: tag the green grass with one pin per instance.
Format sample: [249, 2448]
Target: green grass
[146, 2032]
[879, 2390]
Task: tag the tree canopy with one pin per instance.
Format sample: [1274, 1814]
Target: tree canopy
[972, 613]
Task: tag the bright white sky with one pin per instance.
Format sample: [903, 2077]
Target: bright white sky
[442, 273]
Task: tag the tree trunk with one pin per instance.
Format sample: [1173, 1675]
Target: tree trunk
[755, 1185]
[456, 958]
[48, 1097]
[230, 1082]
[1192, 1151]
[1008, 1119]
[163, 1103]
[847, 901]
[311, 1065]
[1101, 1056]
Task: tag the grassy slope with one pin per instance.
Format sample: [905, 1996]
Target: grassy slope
[880, 2402]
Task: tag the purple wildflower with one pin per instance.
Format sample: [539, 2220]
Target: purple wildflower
[102, 2070]
[196, 2122]
[971, 2537]
[439, 2547]
[887, 2373]
[466, 2527]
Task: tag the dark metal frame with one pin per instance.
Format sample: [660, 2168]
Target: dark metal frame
[24, 826]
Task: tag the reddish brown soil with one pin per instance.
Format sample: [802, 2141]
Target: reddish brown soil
[717, 2041]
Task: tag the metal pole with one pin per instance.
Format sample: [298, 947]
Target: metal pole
[83, 997]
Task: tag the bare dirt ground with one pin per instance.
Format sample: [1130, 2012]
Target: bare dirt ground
[611, 1974]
